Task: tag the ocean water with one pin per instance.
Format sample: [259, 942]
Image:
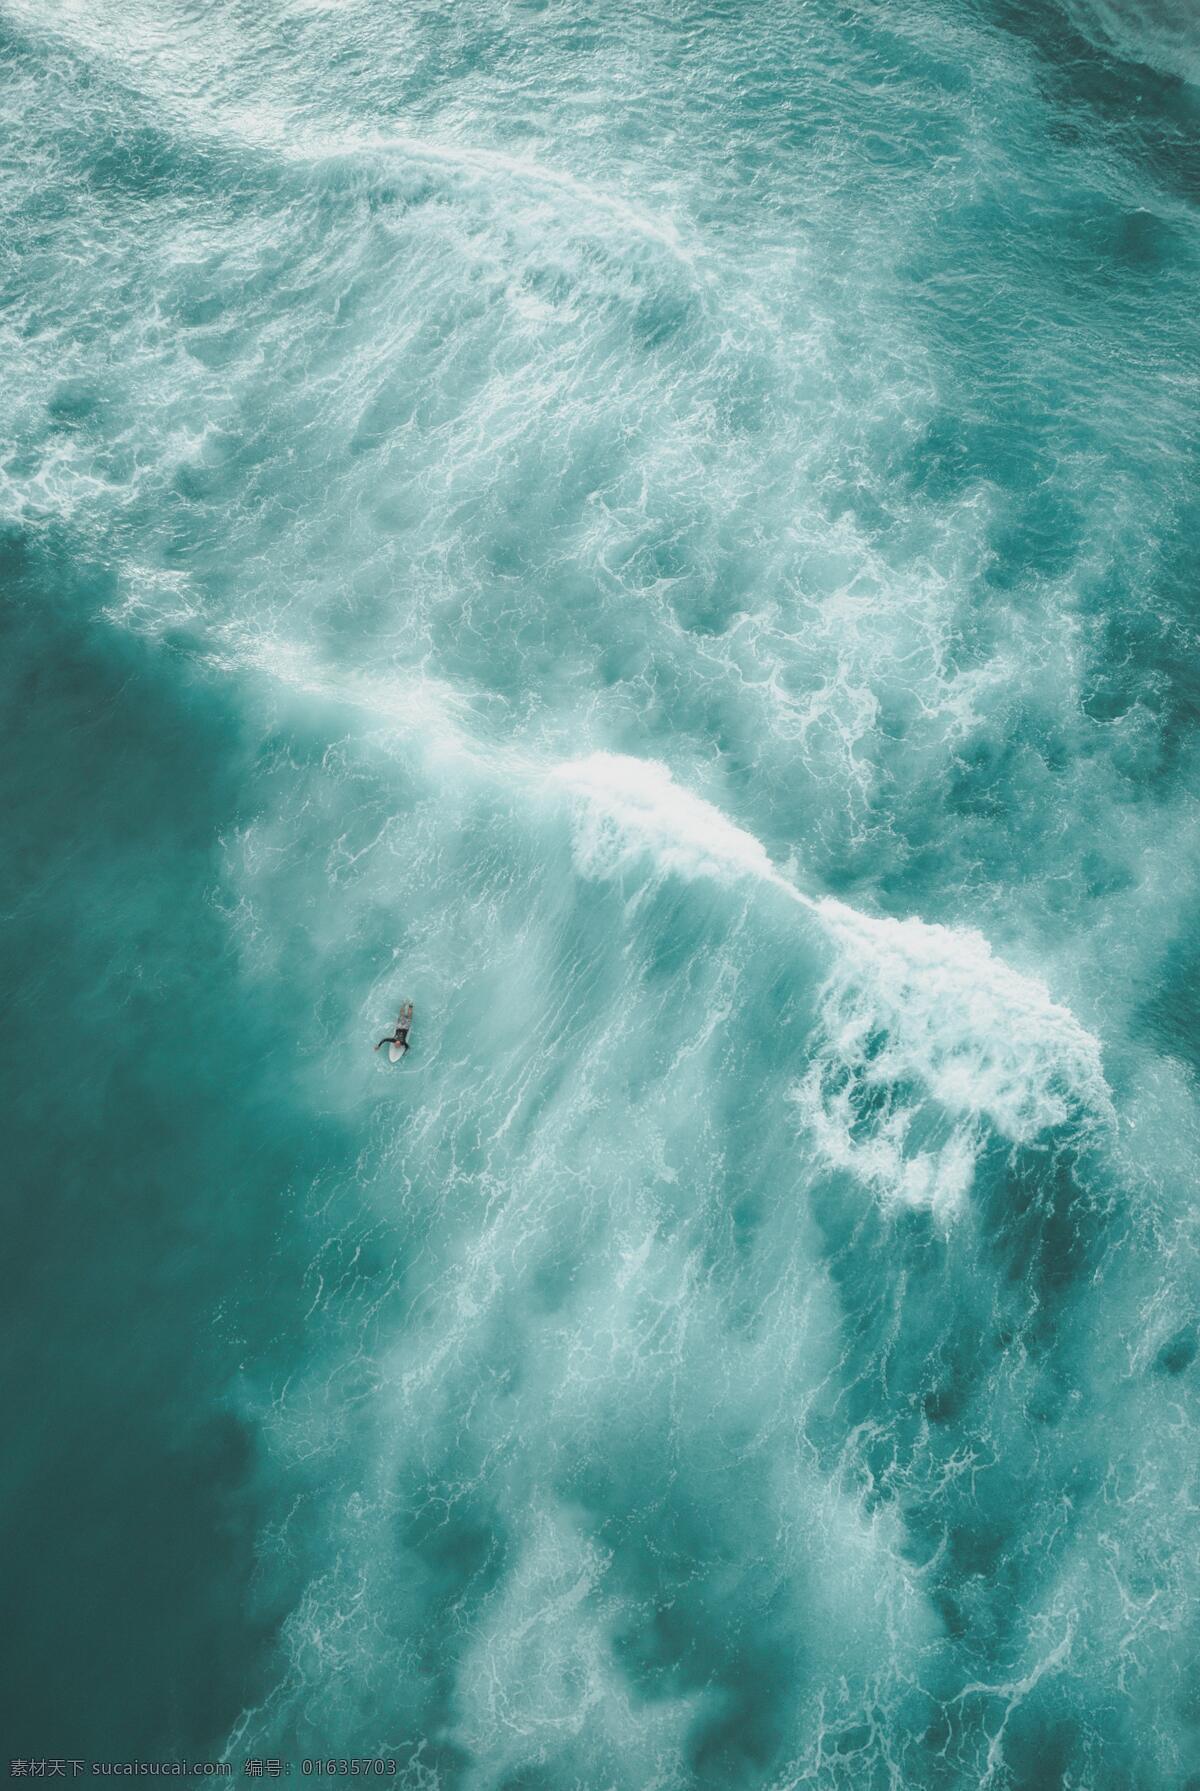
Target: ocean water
[669, 537]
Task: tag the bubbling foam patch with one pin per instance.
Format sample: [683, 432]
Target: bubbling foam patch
[925, 1040]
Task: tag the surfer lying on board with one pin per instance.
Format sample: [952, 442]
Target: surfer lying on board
[400, 1036]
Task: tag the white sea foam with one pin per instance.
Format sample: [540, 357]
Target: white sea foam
[492, 164]
[627, 807]
[409, 702]
[925, 1040]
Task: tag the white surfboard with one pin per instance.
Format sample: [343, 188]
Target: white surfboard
[394, 1054]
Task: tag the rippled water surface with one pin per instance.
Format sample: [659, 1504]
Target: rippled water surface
[667, 536]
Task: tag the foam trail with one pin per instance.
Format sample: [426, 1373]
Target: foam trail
[488, 164]
[410, 703]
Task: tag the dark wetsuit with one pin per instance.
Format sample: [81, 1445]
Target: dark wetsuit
[400, 1036]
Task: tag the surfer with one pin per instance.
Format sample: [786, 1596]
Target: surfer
[399, 1038]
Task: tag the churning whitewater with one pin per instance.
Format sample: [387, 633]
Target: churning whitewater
[667, 539]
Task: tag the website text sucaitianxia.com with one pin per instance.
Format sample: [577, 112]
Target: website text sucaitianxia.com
[208, 1769]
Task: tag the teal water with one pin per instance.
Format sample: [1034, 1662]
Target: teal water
[668, 537]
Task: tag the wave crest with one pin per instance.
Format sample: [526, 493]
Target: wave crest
[925, 1041]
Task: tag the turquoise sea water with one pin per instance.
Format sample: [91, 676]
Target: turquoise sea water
[668, 536]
